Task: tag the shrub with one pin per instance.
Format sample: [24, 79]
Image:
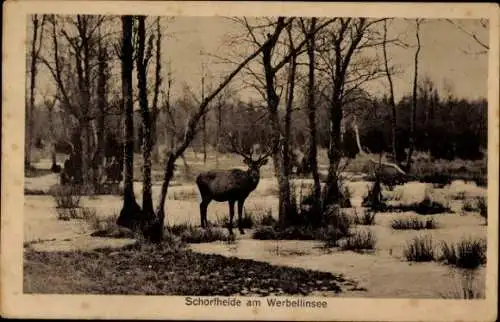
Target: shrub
[267, 219]
[460, 196]
[97, 222]
[336, 218]
[425, 207]
[265, 233]
[482, 205]
[429, 207]
[414, 223]
[467, 253]
[419, 249]
[109, 189]
[468, 205]
[67, 213]
[246, 220]
[66, 197]
[368, 218]
[345, 201]
[360, 240]
[195, 235]
[330, 236]
[34, 192]
[374, 199]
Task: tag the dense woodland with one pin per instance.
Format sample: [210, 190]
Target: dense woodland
[113, 98]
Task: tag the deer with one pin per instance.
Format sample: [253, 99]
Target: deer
[233, 185]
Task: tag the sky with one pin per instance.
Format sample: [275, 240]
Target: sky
[448, 56]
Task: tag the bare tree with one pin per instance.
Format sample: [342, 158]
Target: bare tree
[392, 102]
[157, 85]
[36, 46]
[272, 64]
[131, 213]
[132, 216]
[413, 120]
[142, 59]
[102, 105]
[339, 47]
[204, 121]
[484, 24]
[73, 49]
[310, 159]
[49, 105]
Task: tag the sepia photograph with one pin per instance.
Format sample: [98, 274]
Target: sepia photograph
[269, 164]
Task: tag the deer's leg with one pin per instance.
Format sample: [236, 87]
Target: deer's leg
[231, 216]
[240, 215]
[203, 212]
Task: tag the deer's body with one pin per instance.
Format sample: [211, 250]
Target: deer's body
[228, 185]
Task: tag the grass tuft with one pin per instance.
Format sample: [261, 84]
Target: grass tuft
[414, 223]
[467, 253]
[367, 219]
[267, 219]
[196, 235]
[66, 197]
[419, 249]
[360, 240]
[482, 204]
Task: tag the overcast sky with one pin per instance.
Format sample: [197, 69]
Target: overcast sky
[447, 55]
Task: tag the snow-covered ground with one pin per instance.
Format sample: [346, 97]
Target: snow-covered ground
[384, 273]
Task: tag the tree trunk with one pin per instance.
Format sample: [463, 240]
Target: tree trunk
[131, 213]
[31, 108]
[158, 80]
[147, 199]
[414, 102]
[392, 103]
[204, 121]
[101, 119]
[311, 157]
[219, 128]
[52, 134]
[332, 192]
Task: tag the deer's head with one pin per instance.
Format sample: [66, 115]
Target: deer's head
[254, 163]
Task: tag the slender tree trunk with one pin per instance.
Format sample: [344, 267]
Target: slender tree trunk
[101, 120]
[204, 121]
[219, 128]
[147, 200]
[414, 101]
[156, 228]
[50, 109]
[158, 80]
[332, 192]
[278, 142]
[312, 161]
[88, 152]
[130, 215]
[285, 168]
[391, 99]
[31, 108]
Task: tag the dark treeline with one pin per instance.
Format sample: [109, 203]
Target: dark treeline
[447, 127]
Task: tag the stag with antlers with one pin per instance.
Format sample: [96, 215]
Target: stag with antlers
[232, 185]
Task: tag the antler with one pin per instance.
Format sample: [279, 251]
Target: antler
[266, 154]
[237, 149]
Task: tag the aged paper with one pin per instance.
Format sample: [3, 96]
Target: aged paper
[97, 94]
